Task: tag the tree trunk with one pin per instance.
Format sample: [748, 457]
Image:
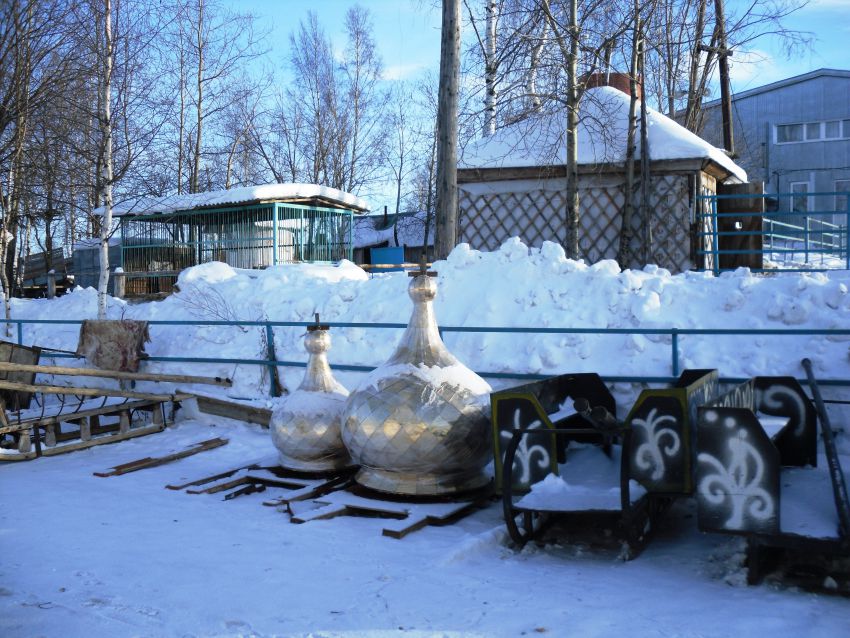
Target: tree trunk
[572, 239]
[446, 236]
[199, 120]
[106, 130]
[645, 184]
[624, 255]
[490, 71]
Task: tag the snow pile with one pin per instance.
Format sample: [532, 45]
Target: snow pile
[557, 495]
[512, 287]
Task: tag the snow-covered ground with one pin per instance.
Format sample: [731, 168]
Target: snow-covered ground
[122, 556]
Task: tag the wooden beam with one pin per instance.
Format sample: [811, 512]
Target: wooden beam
[109, 374]
[233, 410]
[91, 392]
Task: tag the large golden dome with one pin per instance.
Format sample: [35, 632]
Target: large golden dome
[419, 424]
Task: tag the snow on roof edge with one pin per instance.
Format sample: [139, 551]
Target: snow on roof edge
[524, 144]
[241, 195]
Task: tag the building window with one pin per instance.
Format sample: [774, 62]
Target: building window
[799, 201]
[813, 131]
[832, 130]
[842, 188]
[846, 128]
[793, 133]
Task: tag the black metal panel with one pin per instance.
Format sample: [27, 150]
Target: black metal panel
[13, 353]
[662, 424]
[798, 441]
[737, 471]
[536, 452]
[528, 406]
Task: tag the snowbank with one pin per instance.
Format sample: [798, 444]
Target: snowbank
[512, 287]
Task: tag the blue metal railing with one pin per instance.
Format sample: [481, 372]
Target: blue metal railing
[675, 335]
[786, 232]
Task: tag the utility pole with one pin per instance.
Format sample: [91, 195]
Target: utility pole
[446, 235]
[723, 55]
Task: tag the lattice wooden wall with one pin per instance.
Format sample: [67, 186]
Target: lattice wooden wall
[537, 214]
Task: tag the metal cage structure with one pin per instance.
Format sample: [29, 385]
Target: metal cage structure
[156, 247]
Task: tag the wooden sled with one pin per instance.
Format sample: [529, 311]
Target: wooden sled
[69, 418]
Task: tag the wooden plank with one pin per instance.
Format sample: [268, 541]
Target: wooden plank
[92, 392]
[418, 520]
[312, 491]
[328, 511]
[207, 479]
[109, 374]
[141, 464]
[233, 410]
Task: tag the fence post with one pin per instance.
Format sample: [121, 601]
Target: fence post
[846, 238]
[275, 238]
[20, 333]
[119, 283]
[806, 241]
[675, 334]
[715, 247]
[270, 354]
[51, 284]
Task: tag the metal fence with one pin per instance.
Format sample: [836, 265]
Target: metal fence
[675, 335]
[797, 231]
[157, 247]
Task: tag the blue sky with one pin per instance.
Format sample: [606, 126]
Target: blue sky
[407, 31]
[408, 35]
[827, 21]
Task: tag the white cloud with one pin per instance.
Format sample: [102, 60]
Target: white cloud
[403, 71]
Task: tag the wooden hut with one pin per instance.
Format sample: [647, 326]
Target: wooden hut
[513, 183]
[249, 227]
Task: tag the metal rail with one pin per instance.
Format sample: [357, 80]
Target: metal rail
[675, 335]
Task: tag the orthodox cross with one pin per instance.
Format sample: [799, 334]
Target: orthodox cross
[423, 269]
[318, 325]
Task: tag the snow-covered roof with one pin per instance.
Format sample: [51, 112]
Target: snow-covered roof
[242, 195]
[601, 138]
[371, 230]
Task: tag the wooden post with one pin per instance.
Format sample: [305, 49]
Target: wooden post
[85, 429]
[51, 284]
[156, 414]
[124, 422]
[24, 442]
[50, 435]
[119, 283]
